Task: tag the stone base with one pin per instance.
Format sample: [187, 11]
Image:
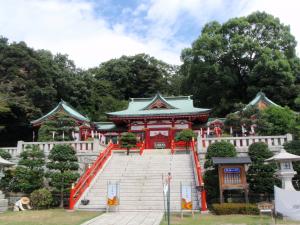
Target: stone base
[3, 205]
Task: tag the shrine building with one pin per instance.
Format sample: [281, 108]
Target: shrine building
[155, 120]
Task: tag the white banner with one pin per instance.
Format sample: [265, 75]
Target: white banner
[157, 132]
[287, 203]
[186, 197]
[112, 195]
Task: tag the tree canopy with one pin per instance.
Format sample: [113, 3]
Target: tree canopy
[239, 58]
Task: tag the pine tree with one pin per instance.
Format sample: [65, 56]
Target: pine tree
[63, 167]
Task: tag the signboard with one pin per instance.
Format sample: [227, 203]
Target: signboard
[112, 194]
[232, 170]
[186, 197]
[160, 145]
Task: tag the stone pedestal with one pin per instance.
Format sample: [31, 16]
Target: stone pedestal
[3, 203]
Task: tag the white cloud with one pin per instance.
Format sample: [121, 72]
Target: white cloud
[74, 27]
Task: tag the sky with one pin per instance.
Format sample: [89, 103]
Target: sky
[94, 31]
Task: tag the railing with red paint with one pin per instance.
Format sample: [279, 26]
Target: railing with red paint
[142, 148]
[85, 180]
[199, 175]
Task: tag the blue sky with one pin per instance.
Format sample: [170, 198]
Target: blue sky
[94, 31]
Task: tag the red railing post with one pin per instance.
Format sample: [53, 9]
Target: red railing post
[199, 175]
[172, 147]
[203, 200]
[71, 200]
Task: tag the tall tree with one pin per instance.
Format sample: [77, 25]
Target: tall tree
[239, 58]
[137, 76]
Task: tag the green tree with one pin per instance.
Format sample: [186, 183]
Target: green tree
[293, 147]
[137, 76]
[211, 178]
[62, 125]
[239, 58]
[63, 167]
[245, 117]
[186, 135]
[128, 141]
[29, 174]
[276, 121]
[260, 175]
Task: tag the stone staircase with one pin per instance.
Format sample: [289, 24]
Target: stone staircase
[141, 182]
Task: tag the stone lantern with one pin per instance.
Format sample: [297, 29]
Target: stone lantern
[3, 201]
[285, 168]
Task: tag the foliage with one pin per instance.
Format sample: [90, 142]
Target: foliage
[63, 166]
[260, 176]
[137, 76]
[62, 125]
[128, 140]
[4, 154]
[235, 208]
[277, 121]
[29, 174]
[186, 135]
[211, 178]
[293, 147]
[219, 149]
[41, 198]
[245, 117]
[231, 62]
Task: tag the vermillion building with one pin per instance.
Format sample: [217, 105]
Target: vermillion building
[155, 120]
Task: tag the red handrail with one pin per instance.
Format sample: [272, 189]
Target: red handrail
[84, 182]
[142, 148]
[199, 176]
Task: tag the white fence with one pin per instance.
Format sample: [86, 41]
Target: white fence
[81, 147]
[275, 143]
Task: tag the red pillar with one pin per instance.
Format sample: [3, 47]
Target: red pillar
[147, 138]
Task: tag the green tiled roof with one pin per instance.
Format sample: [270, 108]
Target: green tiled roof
[260, 96]
[64, 106]
[105, 125]
[181, 105]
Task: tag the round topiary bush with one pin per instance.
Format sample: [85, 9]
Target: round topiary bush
[259, 152]
[211, 178]
[41, 198]
[219, 149]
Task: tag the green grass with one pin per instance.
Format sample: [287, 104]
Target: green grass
[46, 217]
[209, 219]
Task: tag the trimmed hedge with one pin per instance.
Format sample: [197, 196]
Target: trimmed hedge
[41, 198]
[235, 208]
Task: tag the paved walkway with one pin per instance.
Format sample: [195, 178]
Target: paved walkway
[127, 218]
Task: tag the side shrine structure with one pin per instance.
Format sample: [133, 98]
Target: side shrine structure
[155, 121]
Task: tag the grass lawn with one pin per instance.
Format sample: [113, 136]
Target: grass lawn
[46, 217]
[208, 219]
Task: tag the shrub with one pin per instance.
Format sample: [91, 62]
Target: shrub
[235, 208]
[41, 198]
[4, 154]
[260, 176]
[211, 178]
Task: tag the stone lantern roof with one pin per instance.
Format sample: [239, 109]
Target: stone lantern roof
[284, 156]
